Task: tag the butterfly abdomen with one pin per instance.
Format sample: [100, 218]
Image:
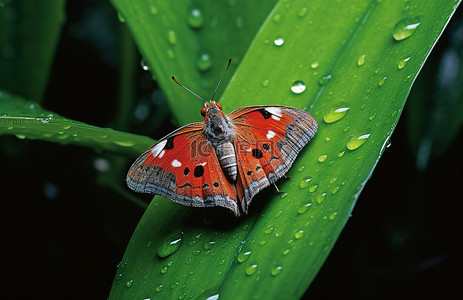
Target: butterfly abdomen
[227, 159]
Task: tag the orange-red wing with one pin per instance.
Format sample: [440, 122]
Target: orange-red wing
[268, 139]
[184, 168]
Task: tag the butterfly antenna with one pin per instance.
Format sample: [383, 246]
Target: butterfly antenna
[173, 78]
[223, 75]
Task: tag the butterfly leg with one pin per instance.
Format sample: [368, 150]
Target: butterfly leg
[278, 190]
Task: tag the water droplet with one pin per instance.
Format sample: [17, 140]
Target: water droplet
[204, 62]
[276, 18]
[361, 60]
[301, 168]
[299, 234]
[298, 87]
[148, 245]
[327, 139]
[315, 65]
[324, 80]
[333, 216]
[335, 190]
[170, 54]
[286, 252]
[405, 28]
[381, 82]
[269, 230]
[239, 24]
[251, 270]
[172, 37]
[356, 140]
[195, 19]
[276, 270]
[372, 117]
[284, 195]
[265, 83]
[305, 182]
[144, 66]
[304, 208]
[313, 188]
[302, 12]
[333, 180]
[159, 288]
[403, 63]
[279, 41]
[321, 198]
[121, 17]
[170, 245]
[279, 213]
[336, 113]
[243, 256]
[164, 270]
[129, 283]
[322, 158]
[209, 246]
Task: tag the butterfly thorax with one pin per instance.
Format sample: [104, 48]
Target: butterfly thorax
[219, 131]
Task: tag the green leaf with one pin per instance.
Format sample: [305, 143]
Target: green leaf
[29, 32]
[357, 78]
[27, 119]
[193, 41]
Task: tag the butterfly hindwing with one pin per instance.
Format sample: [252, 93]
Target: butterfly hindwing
[267, 142]
[184, 168]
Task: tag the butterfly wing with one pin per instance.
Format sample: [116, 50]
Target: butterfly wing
[267, 142]
[184, 168]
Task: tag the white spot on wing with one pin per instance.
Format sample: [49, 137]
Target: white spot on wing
[162, 153]
[203, 164]
[270, 134]
[158, 147]
[275, 111]
[275, 118]
[176, 163]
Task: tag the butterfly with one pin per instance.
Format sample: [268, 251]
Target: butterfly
[225, 160]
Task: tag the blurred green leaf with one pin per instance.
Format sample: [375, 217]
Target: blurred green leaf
[29, 32]
[193, 41]
[357, 61]
[27, 119]
[435, 113]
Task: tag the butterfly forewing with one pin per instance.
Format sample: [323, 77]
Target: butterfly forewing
[267, 143]
[184, 168]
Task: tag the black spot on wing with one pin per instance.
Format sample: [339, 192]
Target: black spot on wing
[186, 171]
[199, 171]
[265, 113]
[184, 185]
[169, 143]
[216, 184]
[266, 147]
[257, 153]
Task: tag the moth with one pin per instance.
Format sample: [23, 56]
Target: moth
[225, 160]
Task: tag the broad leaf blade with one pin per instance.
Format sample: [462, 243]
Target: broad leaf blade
[193, 41]
[29, 33]
[277, 250]
[27, 119]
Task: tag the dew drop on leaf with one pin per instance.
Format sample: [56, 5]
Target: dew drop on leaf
[336, 113]
[403, 63]
[251, 270]
[279, 41]
[361, 60]
[171, 244]
[298, 87]
[356, 140]
[243, 256]
[275, 271]
[405, 28]
[195, 19]
[204, 62]
[305, 182]
[324, 80]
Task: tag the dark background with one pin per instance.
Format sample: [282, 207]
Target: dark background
[64, 228]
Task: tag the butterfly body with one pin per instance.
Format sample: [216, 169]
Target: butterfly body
[225, 160]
